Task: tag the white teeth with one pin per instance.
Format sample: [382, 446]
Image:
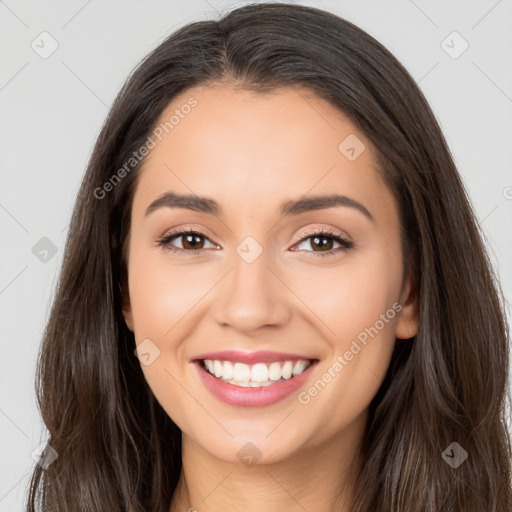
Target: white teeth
[287, 370]
[299, 367]
[259, 372]
[257, 375]
[274, 371]
[227, 372]
[241, 372]
[217, 367]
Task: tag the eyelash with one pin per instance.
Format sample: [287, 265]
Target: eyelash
[322, 233]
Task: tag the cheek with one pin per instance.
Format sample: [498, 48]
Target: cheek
[162, 298]
[344, 302]
[351, 297]
[357, 308]
[167, 298]
[161, 293]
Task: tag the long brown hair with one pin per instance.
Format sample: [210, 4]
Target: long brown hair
[117, 448]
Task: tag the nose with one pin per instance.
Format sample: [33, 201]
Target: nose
[251, 297]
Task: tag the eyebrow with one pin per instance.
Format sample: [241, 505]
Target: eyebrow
[292, 207]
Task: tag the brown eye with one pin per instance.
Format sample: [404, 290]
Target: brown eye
[191, 241]
[322, 243]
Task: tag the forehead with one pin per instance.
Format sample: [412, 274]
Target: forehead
[251, 150]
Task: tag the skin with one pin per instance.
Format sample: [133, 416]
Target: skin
[250, 152]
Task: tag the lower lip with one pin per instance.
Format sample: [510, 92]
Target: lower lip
[252, 397]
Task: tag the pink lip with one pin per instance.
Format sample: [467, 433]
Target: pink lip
[237, 356]
[251, 397]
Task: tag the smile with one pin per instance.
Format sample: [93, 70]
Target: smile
[254, 379]
[257, 375]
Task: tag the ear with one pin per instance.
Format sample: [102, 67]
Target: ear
[127, 307]
[408, 318]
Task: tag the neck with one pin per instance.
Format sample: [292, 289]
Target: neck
[320, 478]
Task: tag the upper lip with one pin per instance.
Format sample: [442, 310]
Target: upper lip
[264, 356]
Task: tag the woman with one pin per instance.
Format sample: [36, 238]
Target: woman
[274, 292]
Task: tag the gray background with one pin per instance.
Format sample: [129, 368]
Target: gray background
[51, 110]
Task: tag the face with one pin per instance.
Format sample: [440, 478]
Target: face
[271, 272]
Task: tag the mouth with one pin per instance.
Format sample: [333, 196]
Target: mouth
[255, 375]
[258, 383]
